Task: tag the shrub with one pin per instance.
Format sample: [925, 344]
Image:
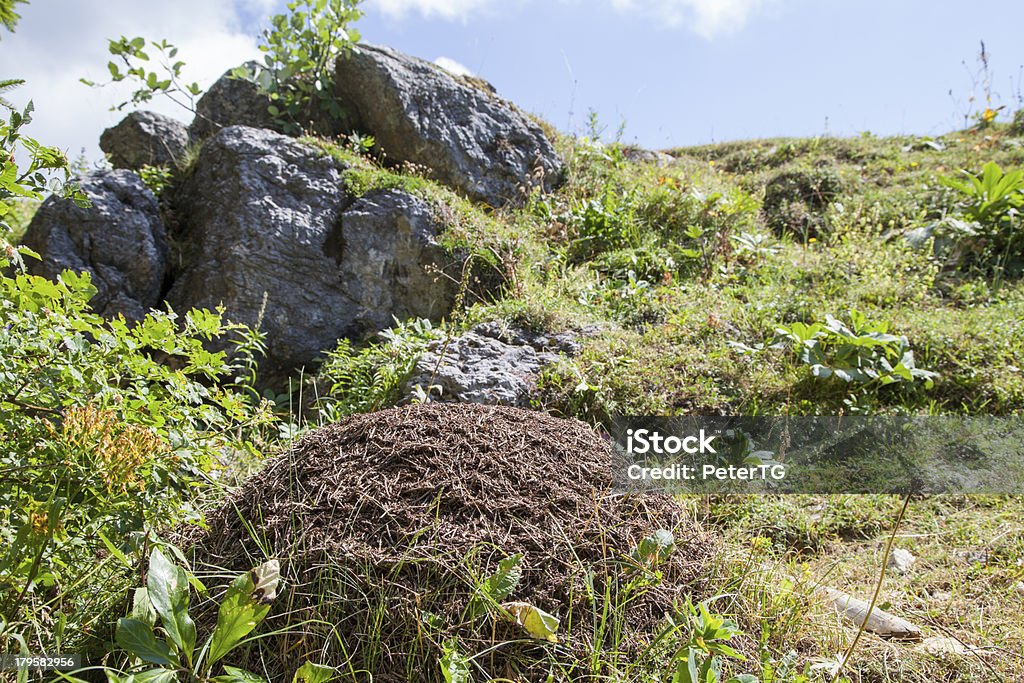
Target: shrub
[100, 444]
[362, 380]
[795, 200]
[300, 49]
[990, 202]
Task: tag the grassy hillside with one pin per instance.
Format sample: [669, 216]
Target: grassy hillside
[697, 265]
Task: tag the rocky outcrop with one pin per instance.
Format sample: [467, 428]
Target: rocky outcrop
[145, 138]
[120, 240]
[467, 137]
[264, 225]
[491, 364]
[267, 230]
[231, 101]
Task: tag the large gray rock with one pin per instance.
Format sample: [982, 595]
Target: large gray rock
[231, 102]
[467, 137]
[490, 364]
[120, 240]
[145, 138]
[267, 230]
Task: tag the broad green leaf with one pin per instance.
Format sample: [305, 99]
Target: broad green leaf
[169, 592]
[137, 637]
[655, 548]
[454, 664]
[536, 621]
[233, 675]
[313, 673]
[239, 614]
[498, 585]
[142, 607]
[155, 676]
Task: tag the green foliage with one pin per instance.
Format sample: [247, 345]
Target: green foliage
[602, 224]
[46, 170]
[300, 49]
[160, 638]
[133, 63]
[101, 444]
[455, 664]
[991, 234]
[8, 17]
[991, 195]
[699, 659]
[361, 380]
[863, 352]
[156, 178]
[498, 586]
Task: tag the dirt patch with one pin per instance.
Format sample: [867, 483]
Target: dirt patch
[386, 522]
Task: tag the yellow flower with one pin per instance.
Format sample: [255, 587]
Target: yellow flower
[989, 115]
[40, 522]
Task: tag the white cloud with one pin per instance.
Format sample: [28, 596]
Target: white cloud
[446, 9]
[59, 41]
[708, 18]
[453, 67]
[705, 17]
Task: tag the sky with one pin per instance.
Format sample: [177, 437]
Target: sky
[670, 72]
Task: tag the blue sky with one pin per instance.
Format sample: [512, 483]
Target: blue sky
[677, 72]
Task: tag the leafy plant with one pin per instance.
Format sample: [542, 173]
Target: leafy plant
[602, 224]
[156, 178]
[991, 204]
[300, 49]
[132, 63]
[160, 637]
[360, 380]
[8, 17]
[991, 195]
[863, 352]
[700, 658]
[46, 169]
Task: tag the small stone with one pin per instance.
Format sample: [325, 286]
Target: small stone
[942, 645]
[974, 556]
[901, 560]
[1019, 588]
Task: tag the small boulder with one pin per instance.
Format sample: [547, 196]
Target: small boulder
[268, 231]
[231, 101]
[145, 138]
[901, 561]
[466, 136]
[120, 240]
[490, 365]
